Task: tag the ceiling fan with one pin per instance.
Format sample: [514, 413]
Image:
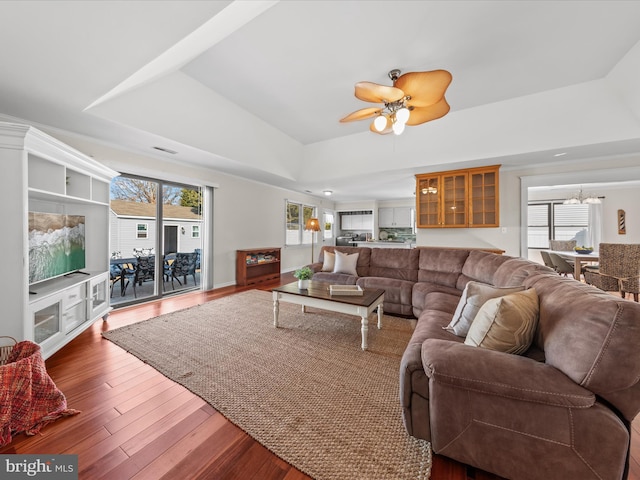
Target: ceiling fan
[414, 98]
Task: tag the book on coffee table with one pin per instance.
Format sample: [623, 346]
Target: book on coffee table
[345, 290]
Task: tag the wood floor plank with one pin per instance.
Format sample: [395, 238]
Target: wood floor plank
[157, 447]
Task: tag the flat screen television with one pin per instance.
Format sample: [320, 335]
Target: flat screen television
[56, 245]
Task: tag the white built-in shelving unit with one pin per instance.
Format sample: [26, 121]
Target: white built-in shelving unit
[42, 174]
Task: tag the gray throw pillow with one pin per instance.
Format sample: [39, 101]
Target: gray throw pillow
[475, 294]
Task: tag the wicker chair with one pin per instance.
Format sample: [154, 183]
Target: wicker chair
[619, 269]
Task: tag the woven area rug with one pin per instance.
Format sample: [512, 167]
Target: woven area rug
[305, 390]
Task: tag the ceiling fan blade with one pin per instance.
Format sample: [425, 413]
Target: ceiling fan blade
[387, 128]
[424, 88]
[361, 114]
[375, 93]
[425, 114]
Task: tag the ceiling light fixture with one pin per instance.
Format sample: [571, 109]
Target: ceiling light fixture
[580, 198]
[414, 98]
[327, 193]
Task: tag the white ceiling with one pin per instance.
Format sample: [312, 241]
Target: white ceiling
[256, 89]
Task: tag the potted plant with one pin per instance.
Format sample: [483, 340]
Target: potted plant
[303, 275]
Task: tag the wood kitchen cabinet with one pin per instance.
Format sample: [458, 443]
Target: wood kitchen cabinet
[395, 217]
[458, 198]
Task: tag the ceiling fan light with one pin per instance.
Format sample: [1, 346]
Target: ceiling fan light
[398, 128]
[402, 115]
[380, 123]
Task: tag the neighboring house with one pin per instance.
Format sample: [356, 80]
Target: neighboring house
[133, 227]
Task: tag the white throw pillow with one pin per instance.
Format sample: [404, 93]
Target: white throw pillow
[474, 295]
[346, 263]
[506, 324]
[329, 262]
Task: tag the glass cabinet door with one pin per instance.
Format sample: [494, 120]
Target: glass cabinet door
[428, 204]
[46, 322]
[454, 202]
[98, 297]
[483, 199]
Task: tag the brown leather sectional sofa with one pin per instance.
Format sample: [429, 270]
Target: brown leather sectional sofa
[560, 410]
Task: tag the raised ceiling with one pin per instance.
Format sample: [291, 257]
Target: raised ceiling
[256, 89]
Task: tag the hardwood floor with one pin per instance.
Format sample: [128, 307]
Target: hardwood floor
[135, 423]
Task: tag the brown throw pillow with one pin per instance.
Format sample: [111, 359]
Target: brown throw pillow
[506, 324]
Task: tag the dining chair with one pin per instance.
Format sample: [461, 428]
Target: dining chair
[546, 258]
[563, 245]
[619, 269]
[560, 265]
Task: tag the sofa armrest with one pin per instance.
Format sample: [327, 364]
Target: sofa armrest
[501, 374]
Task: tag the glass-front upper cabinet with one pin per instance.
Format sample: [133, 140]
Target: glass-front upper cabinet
[458, 198]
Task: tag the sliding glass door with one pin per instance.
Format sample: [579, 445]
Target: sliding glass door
[155, 243]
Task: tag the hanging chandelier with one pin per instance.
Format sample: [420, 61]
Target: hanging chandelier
[580, 198]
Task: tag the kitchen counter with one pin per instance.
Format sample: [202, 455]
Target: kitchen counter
[382, 244]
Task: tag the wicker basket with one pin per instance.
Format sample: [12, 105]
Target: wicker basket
[5, 350]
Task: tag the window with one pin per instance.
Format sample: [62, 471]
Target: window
[297, 215]
[557, 221]
[142, 230]
[328, 222]
[195, 231]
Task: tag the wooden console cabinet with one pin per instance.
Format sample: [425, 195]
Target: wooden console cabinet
[257, 265]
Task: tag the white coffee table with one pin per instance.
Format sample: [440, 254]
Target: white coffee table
[318, 296]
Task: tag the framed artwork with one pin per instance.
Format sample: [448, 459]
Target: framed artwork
[622, 226]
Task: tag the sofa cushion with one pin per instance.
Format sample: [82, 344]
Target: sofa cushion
[480, 266]
[334, 278]
[421, 291]
[506, 324]
[441, 266]
[515, 270]
[474, 296]
[397, 293]
[397, 263]
[346, 263]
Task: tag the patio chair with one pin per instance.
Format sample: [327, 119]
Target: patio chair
[145, 270]
[619, 269]
[183, 266]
